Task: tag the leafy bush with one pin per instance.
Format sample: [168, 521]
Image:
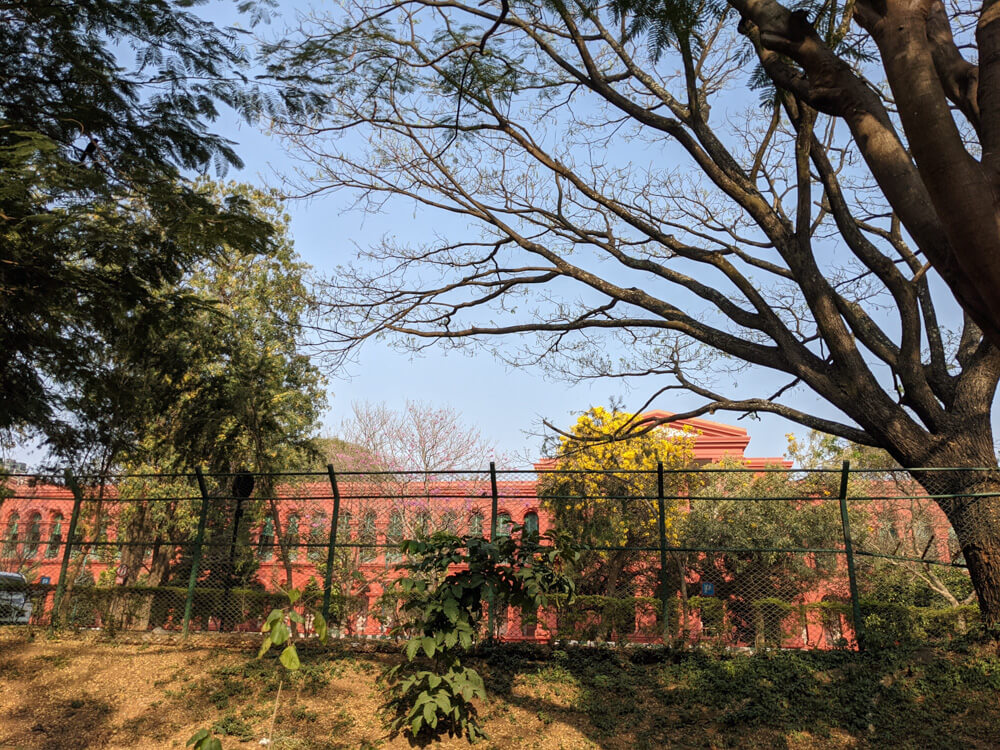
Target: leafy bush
[592, 617]
[448, 581]
[887, 625]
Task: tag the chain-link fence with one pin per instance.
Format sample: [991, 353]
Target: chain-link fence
[728, 556]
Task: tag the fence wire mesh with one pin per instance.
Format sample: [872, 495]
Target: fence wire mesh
[731, 557]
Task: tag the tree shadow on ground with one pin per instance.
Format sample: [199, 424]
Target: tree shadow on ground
[73, 724]
[654, 698]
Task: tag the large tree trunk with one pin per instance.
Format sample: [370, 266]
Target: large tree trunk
[977, 524]
[973, 513]
[975, 519]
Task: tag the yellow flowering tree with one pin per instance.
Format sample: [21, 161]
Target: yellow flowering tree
[603, 492]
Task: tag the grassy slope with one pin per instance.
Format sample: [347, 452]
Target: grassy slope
[79, 692]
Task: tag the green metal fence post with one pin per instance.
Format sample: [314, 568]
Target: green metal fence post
[196, 556]
[845, 474]
[74, 487]
[328, 578]
[662, 524]
[493, 538]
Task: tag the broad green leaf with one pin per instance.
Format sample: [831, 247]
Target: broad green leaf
[213, 744]
[428, 643]
[294, 595]
[264, 647]
[279, 633]
[319, 623]
[411, 648]
[290, 658]
[451, 609]
[197, 737]
[296, 617]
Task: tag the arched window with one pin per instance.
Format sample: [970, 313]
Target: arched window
[13, 535]
[449, 522]
[265, 545]
[366, 537]
[292, 537]
[531, 526]
[422, 525]
[394, 535]
[34, 538]
[319, 537]
[503, 525]
[476, 524]
[345, 528]
[77, 541]
[55, 536]
[101, 550]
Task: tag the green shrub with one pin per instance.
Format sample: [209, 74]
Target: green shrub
[448, 581]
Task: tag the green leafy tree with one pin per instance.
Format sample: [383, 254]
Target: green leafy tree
[906, 530]
[105, 105]
[239, 393]
[448, 580]
[254, 397]
[752, 516]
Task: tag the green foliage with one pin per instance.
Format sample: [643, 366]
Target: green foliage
[105, 103]
[203, 740]
[231, 725]
[753, 515]
[888, 625]
[280, 626]
[591, 617]
[228, 386]
[448, 580]
[658, 698]
[245, 394]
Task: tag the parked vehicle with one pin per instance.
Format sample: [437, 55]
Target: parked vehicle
[15, 604]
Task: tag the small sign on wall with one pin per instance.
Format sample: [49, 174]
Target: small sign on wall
[707, 589]
[45, 580]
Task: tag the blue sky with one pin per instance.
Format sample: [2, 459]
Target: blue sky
[503, 402]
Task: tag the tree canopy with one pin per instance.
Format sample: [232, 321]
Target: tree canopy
[104, 106]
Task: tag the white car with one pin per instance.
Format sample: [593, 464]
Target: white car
[15, 606]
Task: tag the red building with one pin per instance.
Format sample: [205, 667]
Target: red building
[374, 515]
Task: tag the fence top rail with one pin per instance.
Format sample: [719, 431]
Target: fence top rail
[58, 479]
[58, 476]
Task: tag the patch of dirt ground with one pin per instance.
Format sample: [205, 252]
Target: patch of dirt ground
[81, 691]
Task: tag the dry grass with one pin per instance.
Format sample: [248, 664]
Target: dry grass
[85, 691]
[77, 692]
